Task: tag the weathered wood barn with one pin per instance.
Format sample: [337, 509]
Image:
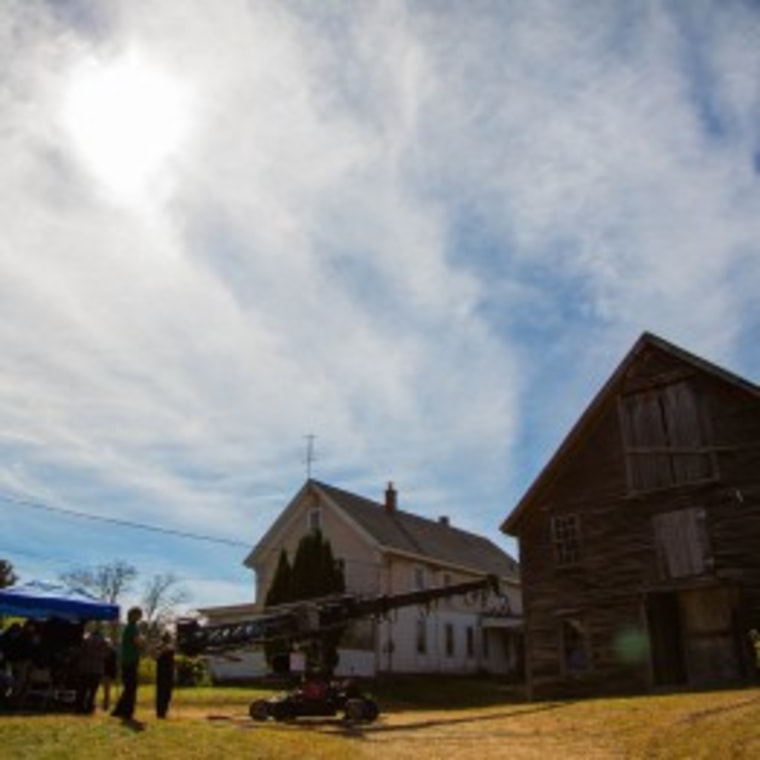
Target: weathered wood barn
[640, 539]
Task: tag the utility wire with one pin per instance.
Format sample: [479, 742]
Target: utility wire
[123, 523]
[12, 552]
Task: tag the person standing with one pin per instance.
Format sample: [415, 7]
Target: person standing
[25, 652]
[90, 666]
[164, 675]
[754, 640]
[110, 673]
[129, 653]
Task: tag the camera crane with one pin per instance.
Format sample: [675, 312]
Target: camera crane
[313, 620]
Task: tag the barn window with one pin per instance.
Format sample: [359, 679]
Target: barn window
[566, 537]
[574, 646]
[421, 636]
[449, 642]
[665, 438]
[681, 543]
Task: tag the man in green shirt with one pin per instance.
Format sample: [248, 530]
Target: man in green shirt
[129, 654]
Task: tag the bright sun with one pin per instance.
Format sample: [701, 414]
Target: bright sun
[127, 118]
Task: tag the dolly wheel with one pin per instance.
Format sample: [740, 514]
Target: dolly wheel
[259, 710]
[371, 710]
[282, 711]
[355, 710]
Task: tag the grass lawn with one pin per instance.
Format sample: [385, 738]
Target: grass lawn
[458, 719]
[203, 723]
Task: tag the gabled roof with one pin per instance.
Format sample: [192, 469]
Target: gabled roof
[608, 390]
[267, 540]
[410, 534]
[403, 533]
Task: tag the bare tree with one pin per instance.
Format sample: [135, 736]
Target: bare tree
[161, 596]
[108, 582]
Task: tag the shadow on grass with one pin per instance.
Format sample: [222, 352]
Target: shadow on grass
[350, 730]
[359, 730]
[410, 693]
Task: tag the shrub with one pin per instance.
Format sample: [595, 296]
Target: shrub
[191, 671]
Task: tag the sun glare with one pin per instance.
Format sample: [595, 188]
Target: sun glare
[127, 119]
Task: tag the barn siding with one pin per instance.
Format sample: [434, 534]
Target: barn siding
[614, 586]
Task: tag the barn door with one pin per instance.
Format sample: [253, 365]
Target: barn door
[710, 638]
[665, 641]
[692, 636]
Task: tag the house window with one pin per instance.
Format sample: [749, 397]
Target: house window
[448, 632]
[470, 641]
[446, 602]
[681, 543]
[485, 644]
[314, 520]
[574, 646]
[419, 578]
[421, 636]
[665, 438]
[566, 538]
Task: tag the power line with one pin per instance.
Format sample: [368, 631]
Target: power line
[48, 559]
[123, 523]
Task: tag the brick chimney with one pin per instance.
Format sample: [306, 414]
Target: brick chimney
[391, 499]
[444, 520]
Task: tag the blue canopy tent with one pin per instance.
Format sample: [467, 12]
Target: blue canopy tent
[42, 599]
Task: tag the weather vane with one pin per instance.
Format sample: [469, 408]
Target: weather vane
[310, 455]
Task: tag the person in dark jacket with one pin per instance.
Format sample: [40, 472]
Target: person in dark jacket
[164, 675]
[24, 654]
[110, 674]
[90, 668]
[129, 654]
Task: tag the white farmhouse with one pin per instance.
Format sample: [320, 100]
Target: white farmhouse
[386, 551]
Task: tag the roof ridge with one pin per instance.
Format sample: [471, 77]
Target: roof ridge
[425, 537]
[646, 339]
[406, 514]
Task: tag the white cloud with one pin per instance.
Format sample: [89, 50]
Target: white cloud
[423, 233]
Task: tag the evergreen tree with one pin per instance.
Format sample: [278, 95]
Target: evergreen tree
[307, 579]
[279, 592]
[333, 569]
[314, 573]
[7, 576]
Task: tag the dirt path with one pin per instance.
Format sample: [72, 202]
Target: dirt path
[474, 734]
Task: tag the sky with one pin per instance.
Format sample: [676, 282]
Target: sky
[423, 232]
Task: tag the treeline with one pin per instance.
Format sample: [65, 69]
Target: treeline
[160, 595]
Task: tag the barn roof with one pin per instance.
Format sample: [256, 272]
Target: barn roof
[587, 419]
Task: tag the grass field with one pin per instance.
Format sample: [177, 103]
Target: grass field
[462, 720]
